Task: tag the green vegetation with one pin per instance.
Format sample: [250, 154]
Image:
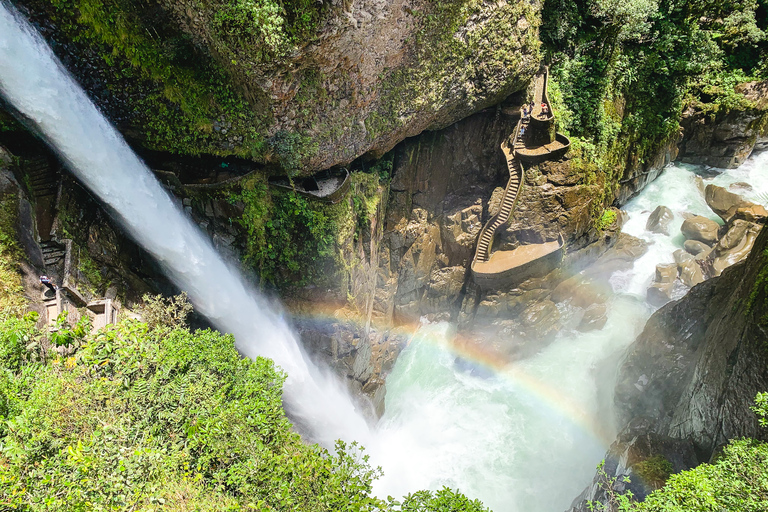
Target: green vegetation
[11, 296]
[294, 240]
[622, 71]
[736, 481]
[269, 29]
[141, 417]
[178, 95]
[654, 471]
[606, 220]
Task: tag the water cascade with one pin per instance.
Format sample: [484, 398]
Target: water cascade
[527, 436]
[35, 83]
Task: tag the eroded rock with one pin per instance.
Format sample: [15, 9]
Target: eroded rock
[734, 246]
[659, 220]
[729, 206]
[700, 228]
[696, 247]
[595, 317]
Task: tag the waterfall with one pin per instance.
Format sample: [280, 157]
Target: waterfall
[35, 83]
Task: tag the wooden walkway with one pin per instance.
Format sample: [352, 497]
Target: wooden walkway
[489, 267]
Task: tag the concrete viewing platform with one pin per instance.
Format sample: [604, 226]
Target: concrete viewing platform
[503, 260]
[533, 141]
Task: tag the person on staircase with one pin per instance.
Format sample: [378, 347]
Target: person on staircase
[48, 283]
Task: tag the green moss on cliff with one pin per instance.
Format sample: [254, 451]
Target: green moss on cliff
[182, 102]
[623, 71]
[293, 241]
[11, 292]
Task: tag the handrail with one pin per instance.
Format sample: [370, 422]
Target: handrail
[490, 222]
[515, 159]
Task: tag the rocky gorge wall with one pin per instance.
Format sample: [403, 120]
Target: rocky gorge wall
[688, 381]
[303, 85]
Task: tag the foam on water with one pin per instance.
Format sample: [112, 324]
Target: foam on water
[528, 438]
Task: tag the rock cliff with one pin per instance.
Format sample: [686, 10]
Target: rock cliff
[726, 139]
[689, 379]
[306, 85]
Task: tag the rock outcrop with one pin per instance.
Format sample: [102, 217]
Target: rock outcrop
[689, 379]
[698, 364]
[700, 228]
[727, 139]
[659, 220]
[307, 85]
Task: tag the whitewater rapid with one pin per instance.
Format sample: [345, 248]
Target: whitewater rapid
[35, 83]
[528, 437]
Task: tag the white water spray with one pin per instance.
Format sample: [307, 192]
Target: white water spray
[34, 82]
[526, 436]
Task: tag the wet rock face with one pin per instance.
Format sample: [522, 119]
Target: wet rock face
[553, 201]
[697, 366]
[438, 202]
[363, 359]
[727, 140]
[729, 206]
[659, 220]
[377, 71]
[700, 228]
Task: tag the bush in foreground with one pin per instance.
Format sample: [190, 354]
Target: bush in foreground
[165, 419]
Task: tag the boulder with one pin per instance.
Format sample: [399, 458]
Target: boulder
[581, 291]
[695, 247]
[689, 270]
[681, 256]
[700, 228]
[541, 319]
[751, 213]
[595, 317]
[729, 206]
[659, 220]
[734, 246]
[739, 187]
[690, 273]
[666, 273]
[659, 294]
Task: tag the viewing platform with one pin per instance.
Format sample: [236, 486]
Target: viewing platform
[533, 141]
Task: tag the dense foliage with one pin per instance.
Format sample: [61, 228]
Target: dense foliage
[737, 481]
[623, 70]
[293, 240]
[11, 297]
[162, 418]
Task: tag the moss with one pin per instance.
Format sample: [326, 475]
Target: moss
[11, 292]
[182, 101]
[8, 123]
[654, 471]
[97, 283]
[606, 220]
[295, 241]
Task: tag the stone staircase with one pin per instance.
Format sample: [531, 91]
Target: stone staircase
[532, 141]
[43, 179]
[53, 252]
[511, 193]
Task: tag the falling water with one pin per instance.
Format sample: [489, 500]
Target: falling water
[34, 82]
[525, 438]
